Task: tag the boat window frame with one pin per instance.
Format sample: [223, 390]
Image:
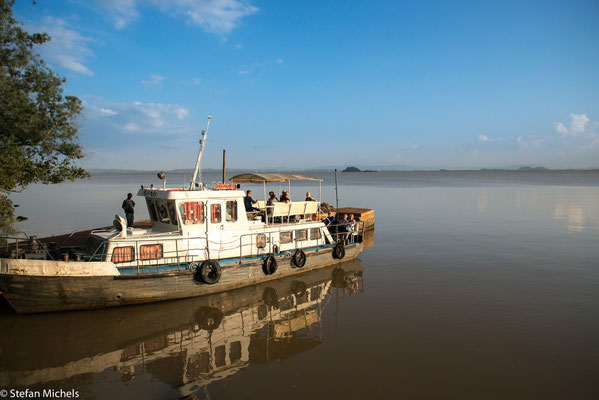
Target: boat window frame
[212, 213]
[200, 207]
[152, 210]
[132, 249]
[315, 237]
[234, 211]
[172, 212]
[261, 239]
[152, 257]
[286, 241]
[162, 204]
[304, 235]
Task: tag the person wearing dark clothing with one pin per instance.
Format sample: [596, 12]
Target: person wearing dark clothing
[248, 202]
[129, 207]
[285, 197]
[329, 220]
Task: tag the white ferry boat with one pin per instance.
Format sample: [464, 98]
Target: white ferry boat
[201, 241]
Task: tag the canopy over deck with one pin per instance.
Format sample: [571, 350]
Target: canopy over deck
[270, 177]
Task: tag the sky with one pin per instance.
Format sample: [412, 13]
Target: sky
[312, 84]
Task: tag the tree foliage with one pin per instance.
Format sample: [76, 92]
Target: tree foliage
[38, 124]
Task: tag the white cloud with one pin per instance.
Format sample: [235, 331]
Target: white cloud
[280, 61]
[145, 118]
[181, 113]
[578, 125]
[484, 138]
[192, 82]
[248, 69]
[214, 16]
[560, 128]
[122, 11]
[131, 127]
[154, 80]
[107, 111]
[522, 142]
[67, 48]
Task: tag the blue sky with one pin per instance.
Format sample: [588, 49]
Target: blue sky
[330, 83]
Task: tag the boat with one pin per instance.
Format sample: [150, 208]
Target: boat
[201, 241]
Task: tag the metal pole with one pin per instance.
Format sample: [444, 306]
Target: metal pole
[224, 165]
[336, 192]
[319, 196]
[265, 206]
[197, 168]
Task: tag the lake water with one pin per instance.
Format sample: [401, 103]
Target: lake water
[478, 285]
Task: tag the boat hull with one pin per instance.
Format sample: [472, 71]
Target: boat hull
[34, 294]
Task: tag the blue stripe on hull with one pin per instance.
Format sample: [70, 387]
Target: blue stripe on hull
[154, 269]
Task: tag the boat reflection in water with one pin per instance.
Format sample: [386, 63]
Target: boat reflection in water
[186, 344]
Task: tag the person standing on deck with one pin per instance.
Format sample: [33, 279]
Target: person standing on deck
[129, 207]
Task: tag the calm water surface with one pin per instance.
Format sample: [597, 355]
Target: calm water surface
[478, 285]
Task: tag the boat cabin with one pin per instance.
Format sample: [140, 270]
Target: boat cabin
[190, 226]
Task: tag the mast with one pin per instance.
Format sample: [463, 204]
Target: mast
[197, 170]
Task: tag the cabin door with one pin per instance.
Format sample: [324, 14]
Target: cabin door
[215, 222]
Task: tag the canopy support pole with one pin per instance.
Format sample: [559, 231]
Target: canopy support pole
[336, 193]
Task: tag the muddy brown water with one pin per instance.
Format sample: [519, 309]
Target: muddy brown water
[477, 285]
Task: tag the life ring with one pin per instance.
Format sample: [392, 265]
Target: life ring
[299, 258]
[270, 265]
[208, 272]
[208, 318]
[271, 297]
[339, 251]
[162, 211]
[298, 288]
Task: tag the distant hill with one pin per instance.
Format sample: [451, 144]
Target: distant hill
[533, 169]
[352, 169]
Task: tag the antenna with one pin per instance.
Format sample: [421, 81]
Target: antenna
[197, 170]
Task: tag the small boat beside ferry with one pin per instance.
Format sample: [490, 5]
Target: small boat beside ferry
[201, 241]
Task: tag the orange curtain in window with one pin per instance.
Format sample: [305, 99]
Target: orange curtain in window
[194, 212]
[215, 212]
[122, 254]
[150, 251]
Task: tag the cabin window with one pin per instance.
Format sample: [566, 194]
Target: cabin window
[192, 212]
[95, 246]
[314, 233]
[261, 240]
[286, 237]
[123, 254]
[235, 351]
[220, 354]
[150, 251]
[301, 234]
[162, 212]
[215, 217]
[172, 212]
[152, 209]
[231, 210]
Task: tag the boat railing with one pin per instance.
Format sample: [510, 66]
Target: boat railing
[281, 212]
[347, 237]
[271, 247]
[31, 247]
